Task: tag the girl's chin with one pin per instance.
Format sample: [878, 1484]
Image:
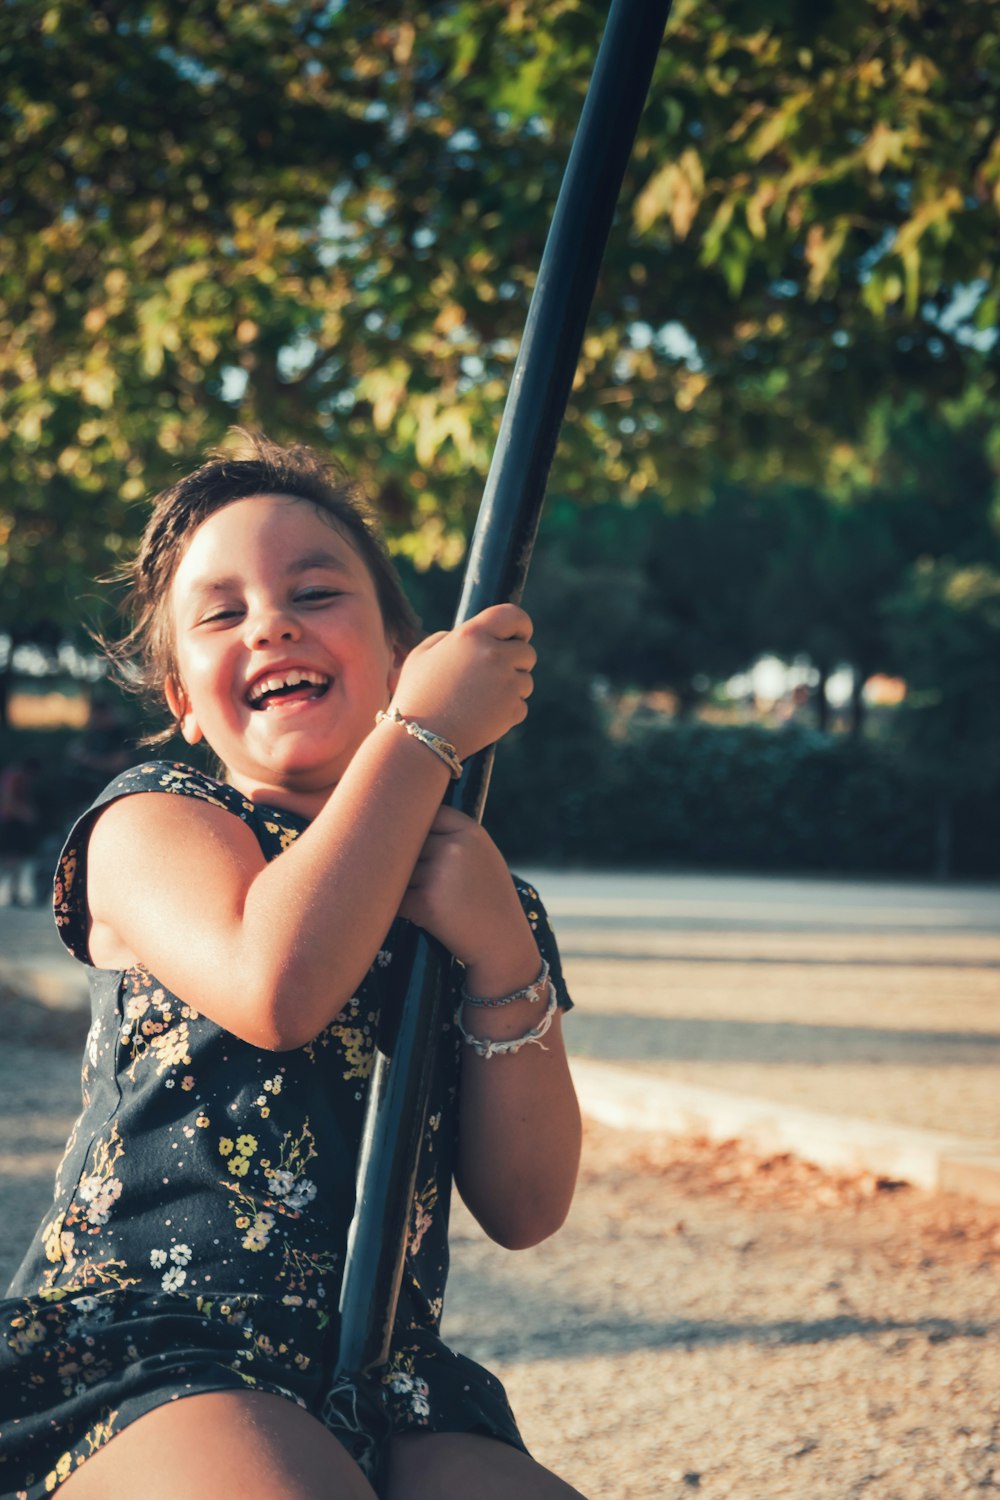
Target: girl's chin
[299, 767]
[293, 739]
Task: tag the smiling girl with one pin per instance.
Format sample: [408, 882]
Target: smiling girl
[174, 1325]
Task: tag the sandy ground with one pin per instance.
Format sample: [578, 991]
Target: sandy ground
[745, 1329]
[706, 1323]
[893, 1027]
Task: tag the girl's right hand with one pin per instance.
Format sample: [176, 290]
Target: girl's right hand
[470, 684]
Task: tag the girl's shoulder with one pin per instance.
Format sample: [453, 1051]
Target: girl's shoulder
[273, 831]
[176, 779]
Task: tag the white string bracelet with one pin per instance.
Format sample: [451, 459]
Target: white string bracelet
[532, 992]
[441, 748]
[484, 1048]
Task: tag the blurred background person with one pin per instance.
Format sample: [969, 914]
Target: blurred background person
[18, 831]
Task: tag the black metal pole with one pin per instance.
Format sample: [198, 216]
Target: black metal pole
[498, 561]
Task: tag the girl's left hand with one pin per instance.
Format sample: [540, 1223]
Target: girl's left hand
[461, 892]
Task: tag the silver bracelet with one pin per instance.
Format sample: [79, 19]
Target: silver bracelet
[441, 747]
[532, 992]
[484, 1048]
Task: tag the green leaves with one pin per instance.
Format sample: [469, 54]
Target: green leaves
[945, 626]
[327, 220]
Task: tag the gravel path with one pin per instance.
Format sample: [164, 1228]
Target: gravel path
[706, 1323]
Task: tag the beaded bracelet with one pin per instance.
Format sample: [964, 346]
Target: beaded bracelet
[441, 748]
[532, 992]
[485, 1048]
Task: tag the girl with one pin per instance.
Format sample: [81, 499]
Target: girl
[173, 1327]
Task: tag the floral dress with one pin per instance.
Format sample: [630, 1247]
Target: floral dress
[197, 1235]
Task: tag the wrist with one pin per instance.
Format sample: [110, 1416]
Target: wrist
[434, 718]
[435, 743]
[504, 1015]
[506, 1029]
[503, 1023]
[512, 966]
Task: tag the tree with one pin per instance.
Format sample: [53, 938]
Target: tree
[648, 597]
[945, 624]
[326, 219]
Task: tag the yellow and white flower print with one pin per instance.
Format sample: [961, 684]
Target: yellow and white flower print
[178, 1256]
[62, 1470]
[100, 1194]
[283, 833]
[259, 1232]
[294, 1192]
[239, 1153]
[424, 1203]
[353, 1036]
[151, 1029]
[27, 1333]
[402, 1379]
[96, 1194]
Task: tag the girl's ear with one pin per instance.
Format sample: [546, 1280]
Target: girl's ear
[399, 655]
[178, 704]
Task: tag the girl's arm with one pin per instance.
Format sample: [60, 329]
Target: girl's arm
[519, 1127]
[519, 1142]
[272, 951]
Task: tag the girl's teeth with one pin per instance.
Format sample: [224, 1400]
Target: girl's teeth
[287, 686]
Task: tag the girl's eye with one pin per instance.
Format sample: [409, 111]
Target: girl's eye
[220, 614]
[317, 595]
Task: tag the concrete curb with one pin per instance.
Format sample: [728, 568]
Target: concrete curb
[631, 1099]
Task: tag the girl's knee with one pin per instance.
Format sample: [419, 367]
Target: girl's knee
[438, 1465]
[250, 1444]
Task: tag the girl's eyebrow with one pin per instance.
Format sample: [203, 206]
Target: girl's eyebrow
[320, 559]
[304, 564]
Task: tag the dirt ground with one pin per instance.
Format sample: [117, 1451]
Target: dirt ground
[745, 1329]
[706, 1323]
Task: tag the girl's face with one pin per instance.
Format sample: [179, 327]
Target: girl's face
[281, 650]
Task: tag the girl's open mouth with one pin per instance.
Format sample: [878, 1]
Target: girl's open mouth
[295, 685]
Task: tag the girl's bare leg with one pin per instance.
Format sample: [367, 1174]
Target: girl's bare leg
[441, 1465]
[224, 1443]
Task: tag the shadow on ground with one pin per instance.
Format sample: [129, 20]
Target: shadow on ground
[633, 1038]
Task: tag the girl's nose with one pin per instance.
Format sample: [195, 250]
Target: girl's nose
[269, 624]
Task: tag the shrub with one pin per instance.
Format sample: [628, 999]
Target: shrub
[693, 794]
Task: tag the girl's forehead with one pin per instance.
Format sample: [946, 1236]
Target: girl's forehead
[269, 531]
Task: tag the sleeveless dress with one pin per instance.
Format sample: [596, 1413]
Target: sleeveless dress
[197, 1234]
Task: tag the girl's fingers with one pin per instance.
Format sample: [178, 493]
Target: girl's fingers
[505, 621]
[470, 684]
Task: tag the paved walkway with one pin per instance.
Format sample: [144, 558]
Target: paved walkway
[855, 1023]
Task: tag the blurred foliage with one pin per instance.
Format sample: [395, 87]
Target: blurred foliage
[325, 219]
[945, 628]
[678, 599]
[903, 579]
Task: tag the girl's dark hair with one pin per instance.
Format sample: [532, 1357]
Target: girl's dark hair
[144, 658]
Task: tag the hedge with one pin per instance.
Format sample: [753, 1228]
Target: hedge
[694, 794]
